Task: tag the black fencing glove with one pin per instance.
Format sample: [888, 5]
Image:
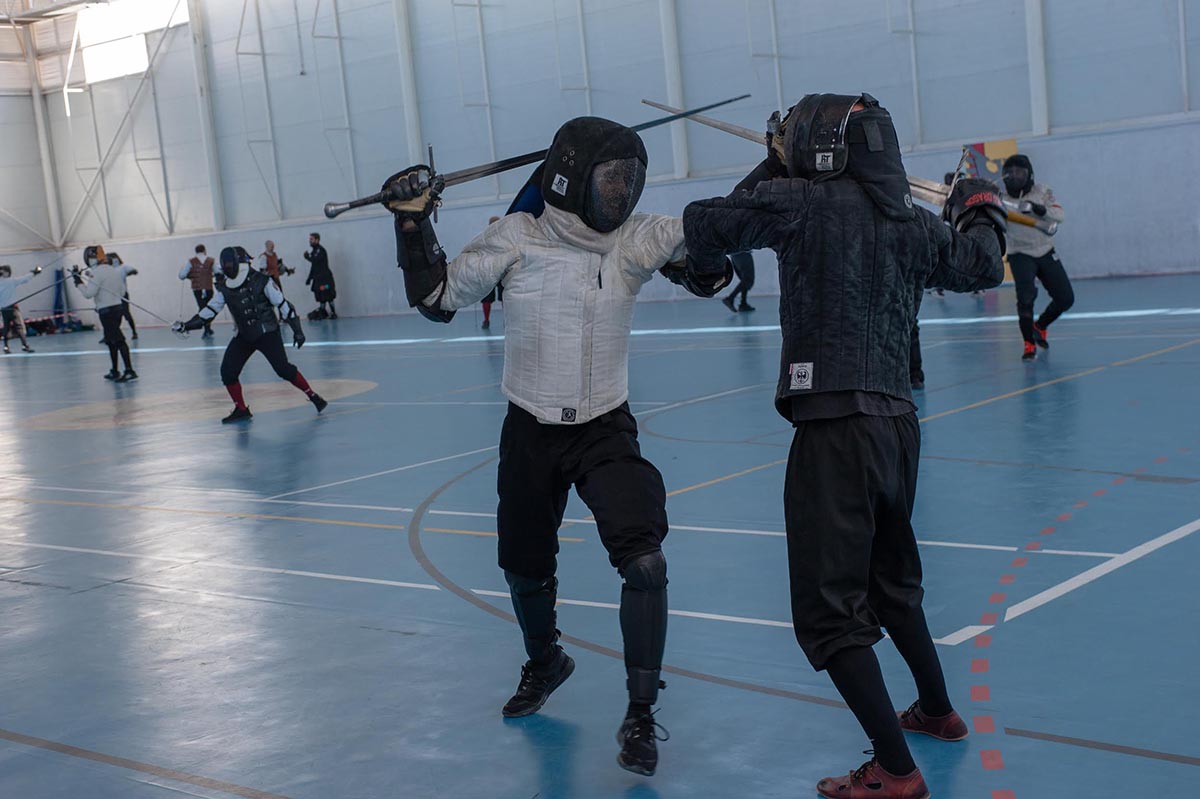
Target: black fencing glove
[975, 201]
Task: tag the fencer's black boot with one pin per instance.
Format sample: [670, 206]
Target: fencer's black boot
[728, 302]
[129, 375]
[319, 401]
[745, 306]
[640, 733]
[537, 683]
[238, 415]
[114, 375]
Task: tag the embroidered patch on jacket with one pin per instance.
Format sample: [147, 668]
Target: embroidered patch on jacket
[559, 185]
[568, 414]
[824, 162]
[802, 376]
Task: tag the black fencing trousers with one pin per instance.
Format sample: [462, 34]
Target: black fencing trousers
[240, 349]
[110, 323]
[202, 297]
[1049, 270]
[539, 463]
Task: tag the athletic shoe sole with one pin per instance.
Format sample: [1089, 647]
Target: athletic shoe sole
[566, 672]
[635, 768]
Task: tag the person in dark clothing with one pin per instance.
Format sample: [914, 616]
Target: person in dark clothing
[916, 370]
[10, 314]
[832, 200]
[743, 267]
[1032, 256]
[320, 277]
[256, 305]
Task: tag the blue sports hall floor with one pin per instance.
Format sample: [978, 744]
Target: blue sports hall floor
[309, 607]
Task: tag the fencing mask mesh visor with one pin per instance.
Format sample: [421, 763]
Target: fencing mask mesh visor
[613, 190]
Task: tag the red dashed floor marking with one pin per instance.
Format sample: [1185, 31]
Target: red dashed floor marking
[991, 759]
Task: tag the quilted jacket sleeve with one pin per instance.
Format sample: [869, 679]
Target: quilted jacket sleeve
[649, 242]
[743, 221]
[968, 261]
[484, 262]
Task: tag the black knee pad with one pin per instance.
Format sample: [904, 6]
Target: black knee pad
[528, 586]
[646, 572]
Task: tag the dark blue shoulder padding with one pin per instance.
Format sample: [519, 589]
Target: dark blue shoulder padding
[529, 199]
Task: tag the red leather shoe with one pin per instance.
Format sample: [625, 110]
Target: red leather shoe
[1039, 337]
[871, 781]
[950, 727]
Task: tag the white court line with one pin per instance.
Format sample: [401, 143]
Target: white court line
[1096, 572]
[706, 398]
[687, 613]
[666, 331]
[201, 561]
[385, 471]
[487, 515]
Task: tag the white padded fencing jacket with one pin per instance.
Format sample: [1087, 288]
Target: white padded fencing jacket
[569, 293]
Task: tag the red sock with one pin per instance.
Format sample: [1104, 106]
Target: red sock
[235, 392]
[299, 382]
[487, 312]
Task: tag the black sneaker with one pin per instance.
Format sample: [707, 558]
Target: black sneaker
[537, 684]
[728, 301]
[639, 737]
[7, 350]
[238, 415]
[23, 349]
[114, 375]
[129, 375]
[745, 306]
[486, 325]
[319, 401]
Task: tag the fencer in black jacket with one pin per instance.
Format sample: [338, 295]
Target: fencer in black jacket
[832, 200]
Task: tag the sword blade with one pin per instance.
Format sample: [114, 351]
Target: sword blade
[517, 161]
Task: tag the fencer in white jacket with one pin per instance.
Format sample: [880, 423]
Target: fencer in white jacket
[571, 271]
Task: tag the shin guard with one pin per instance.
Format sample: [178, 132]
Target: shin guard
[533, 603]
[644, 624]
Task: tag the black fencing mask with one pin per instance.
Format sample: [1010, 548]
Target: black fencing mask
[596, 169]
[823, 139]
[1018, 175]
[232, 259]
[94, 256]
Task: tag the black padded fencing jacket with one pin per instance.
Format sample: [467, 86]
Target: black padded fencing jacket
[850, 270]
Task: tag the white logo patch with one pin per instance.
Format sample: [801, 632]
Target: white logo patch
[559, 185]
[824, 162]
[908, 200]
[802, 376]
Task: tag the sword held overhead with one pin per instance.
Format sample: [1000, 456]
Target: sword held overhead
[442, 181]
[929, 191]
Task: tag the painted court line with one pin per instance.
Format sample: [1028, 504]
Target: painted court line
[667, 331]
[134, 765]
[384, 472]
[1096, 572]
